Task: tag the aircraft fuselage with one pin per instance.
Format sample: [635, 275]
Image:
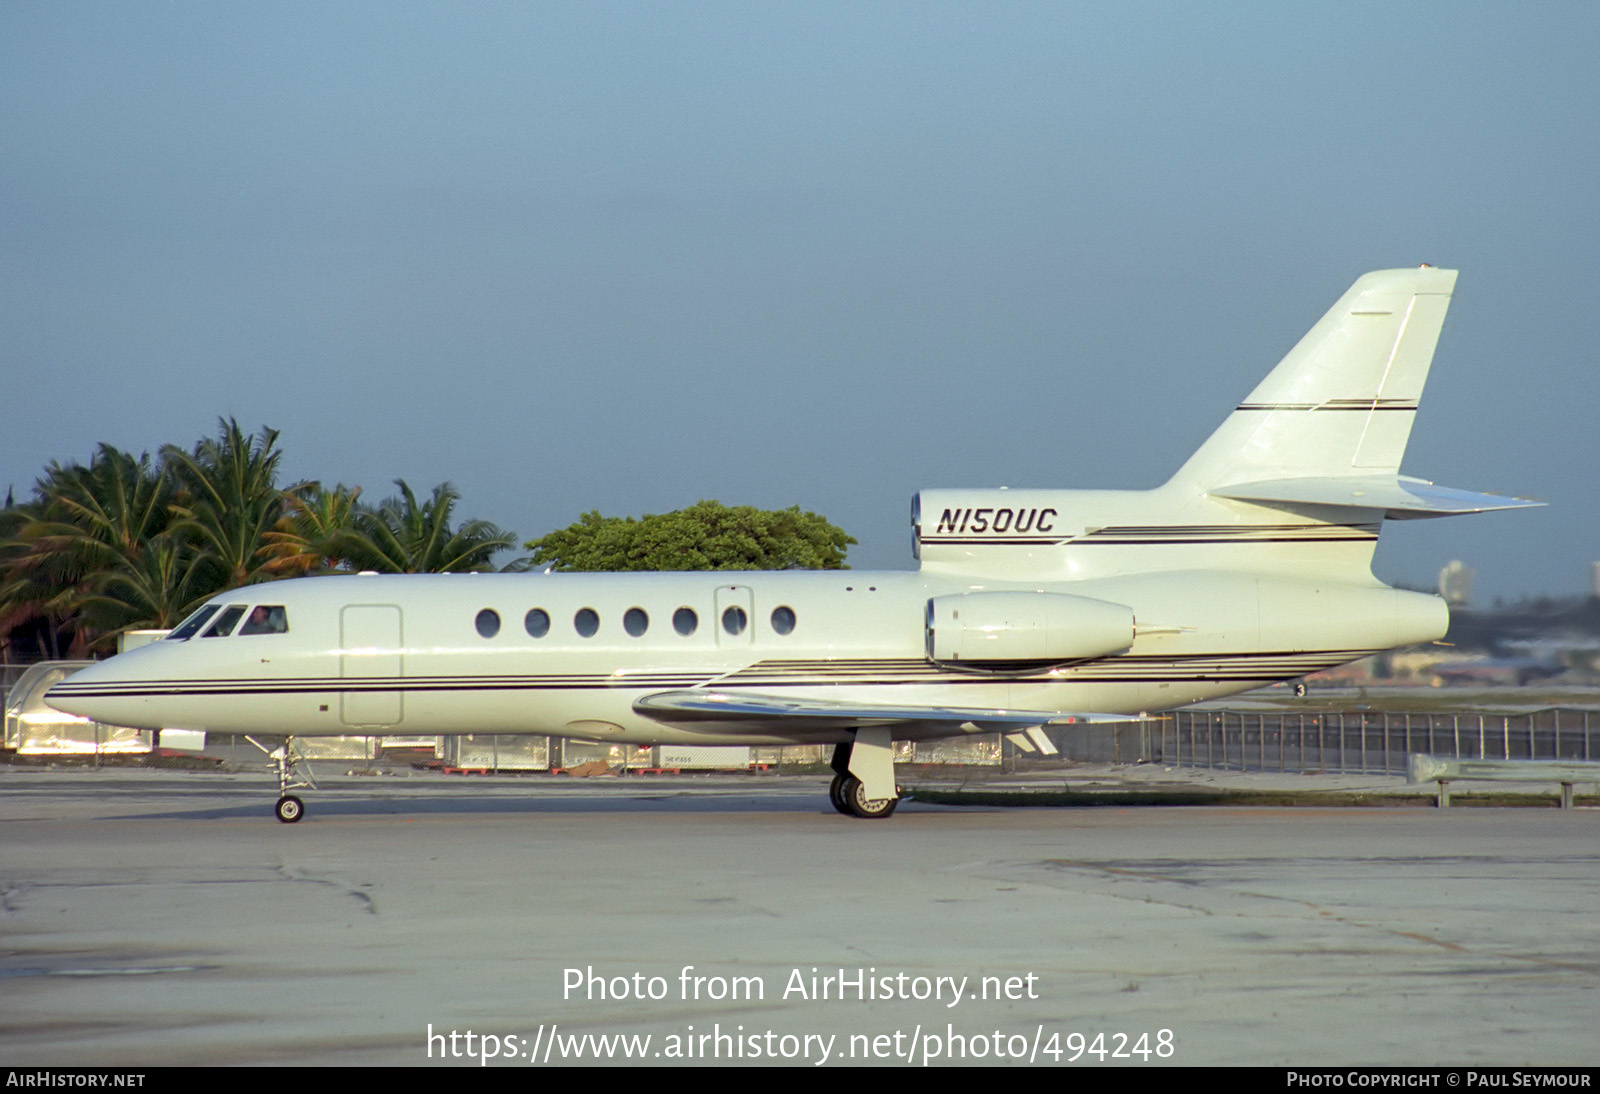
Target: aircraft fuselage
[443, 654]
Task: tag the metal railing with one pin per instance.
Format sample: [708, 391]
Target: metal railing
[1368, 742]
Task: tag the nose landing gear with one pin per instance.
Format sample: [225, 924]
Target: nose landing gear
[294, 773]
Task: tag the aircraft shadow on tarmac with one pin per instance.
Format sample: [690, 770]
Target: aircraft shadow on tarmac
[254, 805]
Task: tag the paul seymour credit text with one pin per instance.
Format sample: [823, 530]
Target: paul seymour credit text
[917, 1042]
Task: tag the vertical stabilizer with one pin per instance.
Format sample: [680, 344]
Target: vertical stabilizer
[1342, 402]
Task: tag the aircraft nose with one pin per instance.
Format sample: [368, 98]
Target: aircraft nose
[75, 694]
[58, 700]
[103, 693]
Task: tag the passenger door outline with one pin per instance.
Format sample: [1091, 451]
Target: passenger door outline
[370, 650]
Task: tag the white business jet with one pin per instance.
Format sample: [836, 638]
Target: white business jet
[1031, 609]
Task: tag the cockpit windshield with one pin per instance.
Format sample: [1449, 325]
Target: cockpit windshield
[189, 627]
[263, 619]
[225, 622]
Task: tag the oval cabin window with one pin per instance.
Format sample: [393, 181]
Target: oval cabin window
[783, 619]
[684, 621]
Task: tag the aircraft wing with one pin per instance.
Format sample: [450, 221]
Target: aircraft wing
[757, 711]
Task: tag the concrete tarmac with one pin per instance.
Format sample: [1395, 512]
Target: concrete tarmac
[157, 918]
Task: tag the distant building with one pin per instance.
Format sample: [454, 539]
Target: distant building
[1455, 583]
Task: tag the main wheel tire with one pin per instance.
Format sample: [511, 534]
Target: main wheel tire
[836, 795]
[859, 805]
[290, 809]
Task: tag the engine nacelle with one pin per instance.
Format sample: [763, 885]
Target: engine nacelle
[999, 630]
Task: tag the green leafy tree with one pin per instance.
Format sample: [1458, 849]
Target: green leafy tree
[705, 536]
[405, 536]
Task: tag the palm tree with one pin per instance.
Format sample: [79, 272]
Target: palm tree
[83, 523]
[155, 591]
[304, 539]
[404, 536]
[228, 500]
[130, 542]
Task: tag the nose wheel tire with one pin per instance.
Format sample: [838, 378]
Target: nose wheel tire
[290, 809]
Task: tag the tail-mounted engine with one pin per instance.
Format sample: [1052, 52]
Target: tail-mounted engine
[1010, 631]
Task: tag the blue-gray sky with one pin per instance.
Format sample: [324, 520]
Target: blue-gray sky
[624, 256]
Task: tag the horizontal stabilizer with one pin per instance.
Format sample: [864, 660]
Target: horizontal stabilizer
[1399, 496]
[746, 709]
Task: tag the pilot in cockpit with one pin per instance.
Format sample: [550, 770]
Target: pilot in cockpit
[266, 619]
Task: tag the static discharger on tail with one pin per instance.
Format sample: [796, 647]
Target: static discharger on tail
[1031, 610]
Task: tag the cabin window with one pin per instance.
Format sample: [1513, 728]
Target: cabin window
[783, 619]
[266, 619]
[488, 622]
[190, 626]
[734, 620]
[636, 622]
[536, 623]
[587, 622]
[224, 624]
[684, 621]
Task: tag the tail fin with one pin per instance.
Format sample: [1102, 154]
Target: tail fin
[1324, 431]
[1342, 402]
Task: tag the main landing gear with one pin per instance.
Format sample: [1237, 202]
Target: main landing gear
[294, 773]
[863, 781]
[849, 796]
